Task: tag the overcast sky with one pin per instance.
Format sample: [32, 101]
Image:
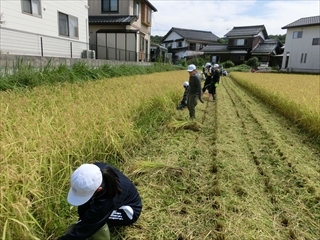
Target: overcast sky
[221, 16]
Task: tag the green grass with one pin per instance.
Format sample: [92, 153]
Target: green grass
[22, 75]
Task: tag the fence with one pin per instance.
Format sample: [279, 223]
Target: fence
[13, 42]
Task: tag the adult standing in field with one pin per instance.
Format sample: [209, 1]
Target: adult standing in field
[105, 197]
[215, 82]
[207, 71]
[195, 92]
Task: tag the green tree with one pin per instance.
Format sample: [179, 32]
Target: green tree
[223, 40]
[156, 39]
[253, 62]
[281, 38]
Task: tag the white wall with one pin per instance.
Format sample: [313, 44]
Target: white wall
[173, 36]
[295, 47]
[21, 32]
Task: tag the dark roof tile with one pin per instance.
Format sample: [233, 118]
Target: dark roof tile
[113, 20]
[247, 31]
[307, 21]
[265, 48]
[196, 35]
[215, 48]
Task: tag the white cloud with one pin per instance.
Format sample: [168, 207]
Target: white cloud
[221, 16]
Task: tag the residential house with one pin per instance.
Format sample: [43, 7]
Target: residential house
[243, 43]
[302, 46]
[44, 28]
[183, 43]
[269, 52]
[120, 30]
[159, 53]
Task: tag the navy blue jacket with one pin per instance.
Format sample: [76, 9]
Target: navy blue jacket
[94, 214]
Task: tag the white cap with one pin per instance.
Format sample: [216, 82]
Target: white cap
[191, 68]
[216, 65]
[85, 180]
[208, 64]
[186, 84]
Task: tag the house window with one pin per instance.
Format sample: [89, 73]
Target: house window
[136, 8]
[215, 59]
[241, 58]
[240, 42]
[146, 14]
[32, 7]
[297, 34]
[141, 43]
[147, 50]
[192, 46]
[179, 44]
[110, 5]
[303, 58]
[316, 41]
[68, 25]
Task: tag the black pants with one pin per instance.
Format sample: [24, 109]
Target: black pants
[207, 84]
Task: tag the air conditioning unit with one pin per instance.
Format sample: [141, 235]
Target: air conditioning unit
[89, 54]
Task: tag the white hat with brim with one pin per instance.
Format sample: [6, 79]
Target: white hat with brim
[85, 180]
[191, 68]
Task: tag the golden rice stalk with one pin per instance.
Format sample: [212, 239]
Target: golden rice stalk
[190, 125]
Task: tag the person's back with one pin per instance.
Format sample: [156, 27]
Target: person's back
[104, 196]
[194, 84]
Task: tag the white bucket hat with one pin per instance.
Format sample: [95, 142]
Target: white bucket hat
[85, 180]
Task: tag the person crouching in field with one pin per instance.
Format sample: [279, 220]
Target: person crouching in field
[194, 90]
[183, 102]
[105, 197]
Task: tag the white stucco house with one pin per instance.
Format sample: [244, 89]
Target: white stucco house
[302, 46]
[184, 43]
[44, 28]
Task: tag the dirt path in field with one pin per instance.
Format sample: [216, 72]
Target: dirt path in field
[247, 174]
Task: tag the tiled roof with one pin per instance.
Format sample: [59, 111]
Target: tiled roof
[307, 21]
[198, 35]
[113, 20]
[215, 48]
[246, 31]
[271, 40]
[264, 48]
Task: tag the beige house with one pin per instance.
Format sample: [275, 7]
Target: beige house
[120, 30]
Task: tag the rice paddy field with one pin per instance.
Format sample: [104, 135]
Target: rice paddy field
[246, 168]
